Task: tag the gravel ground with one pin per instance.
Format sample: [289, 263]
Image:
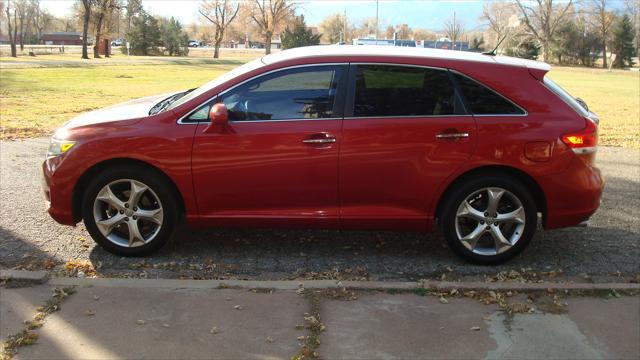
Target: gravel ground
[29, 238]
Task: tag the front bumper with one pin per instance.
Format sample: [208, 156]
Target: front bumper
[58, 195]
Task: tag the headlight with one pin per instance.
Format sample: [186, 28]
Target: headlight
[59, 147]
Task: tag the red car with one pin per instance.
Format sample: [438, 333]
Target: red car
[337, 137]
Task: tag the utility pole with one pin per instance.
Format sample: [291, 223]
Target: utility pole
[377, 19]
[455, 30]
[344, 27]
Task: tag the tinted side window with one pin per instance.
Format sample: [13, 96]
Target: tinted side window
[484, 101]
[386, 90]
[301, 93]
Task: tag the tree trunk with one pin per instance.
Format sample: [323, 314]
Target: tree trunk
[267, 42]
[85, 28]
[21, 38]
[604, 52]
[546, 53]
[96, 46]
[12, 38]
[217, 43]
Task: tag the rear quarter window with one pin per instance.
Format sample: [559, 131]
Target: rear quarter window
[483, 100]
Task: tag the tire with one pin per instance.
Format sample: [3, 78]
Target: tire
[154, 210]
[480, 229]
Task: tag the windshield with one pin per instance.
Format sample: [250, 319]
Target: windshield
[566, 97]
[250, 66]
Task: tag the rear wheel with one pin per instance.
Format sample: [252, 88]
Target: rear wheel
[130, 210]
[489, 219]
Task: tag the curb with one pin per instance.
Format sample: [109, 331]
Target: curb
[37, 277]
[333, 284]
[41, 277]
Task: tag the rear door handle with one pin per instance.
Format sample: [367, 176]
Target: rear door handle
[319, 141]
[319, 138]
[452, 135]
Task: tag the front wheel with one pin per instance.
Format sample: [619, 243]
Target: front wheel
[130, 210]
[489, 219]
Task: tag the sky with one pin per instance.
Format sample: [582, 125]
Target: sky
[429, 14]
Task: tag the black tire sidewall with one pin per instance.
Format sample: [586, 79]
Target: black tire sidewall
[460, 192]
[154, 180]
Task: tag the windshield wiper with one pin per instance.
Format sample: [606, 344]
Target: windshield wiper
[164, 104]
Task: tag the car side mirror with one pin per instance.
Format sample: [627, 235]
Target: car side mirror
[219, 116]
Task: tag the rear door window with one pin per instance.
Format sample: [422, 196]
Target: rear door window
[392, 90]
[484, 101]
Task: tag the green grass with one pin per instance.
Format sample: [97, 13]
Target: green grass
[34, 101]
[614, 96]
[39, 94]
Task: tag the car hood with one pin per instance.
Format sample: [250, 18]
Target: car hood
[133, 109]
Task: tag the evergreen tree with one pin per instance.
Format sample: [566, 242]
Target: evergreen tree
[144, 34]
[299, 36]
[174, 39]
[526, 49]
[477, 44]
[622, 46]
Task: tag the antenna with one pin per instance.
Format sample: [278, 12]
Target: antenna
[494, 52]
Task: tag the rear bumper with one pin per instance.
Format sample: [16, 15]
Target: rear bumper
[58, 197]
[572, 196]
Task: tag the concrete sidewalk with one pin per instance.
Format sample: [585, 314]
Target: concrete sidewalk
[156, 322]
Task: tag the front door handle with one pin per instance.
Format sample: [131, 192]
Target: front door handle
[452, 135]
[319, 138]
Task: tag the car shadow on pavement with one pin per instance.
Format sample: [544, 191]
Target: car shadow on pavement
[288, 254]
[16, 252]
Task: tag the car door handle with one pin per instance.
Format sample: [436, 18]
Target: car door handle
[319, 138]
[452, 135]
[319, 141]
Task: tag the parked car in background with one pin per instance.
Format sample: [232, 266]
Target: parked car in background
[337, 137]
[194, 43]
[117, 42]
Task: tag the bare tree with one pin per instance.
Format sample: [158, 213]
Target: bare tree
[602, 20]
[220, 13]
[500, 17]
[453, 29]
[22, 9]
[542, 19]
[41, 19]
[336, 28]
[13, 31]
[104, 8]
[86, 4]
[268, 15]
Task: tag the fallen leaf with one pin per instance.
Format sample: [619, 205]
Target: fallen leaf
[96, 297]
[140, 322]
[238, 307]
[165, 325]
[269, 339]
[475, 328]
[214, 330]
[443, 300]
[89, 313]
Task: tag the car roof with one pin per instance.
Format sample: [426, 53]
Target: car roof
[398, 51]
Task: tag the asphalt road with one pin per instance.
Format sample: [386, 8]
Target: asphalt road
[30, 238]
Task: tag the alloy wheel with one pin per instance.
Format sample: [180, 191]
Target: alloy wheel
[490, 221]
[128, 213]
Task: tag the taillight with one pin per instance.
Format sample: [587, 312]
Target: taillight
[584, 141]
